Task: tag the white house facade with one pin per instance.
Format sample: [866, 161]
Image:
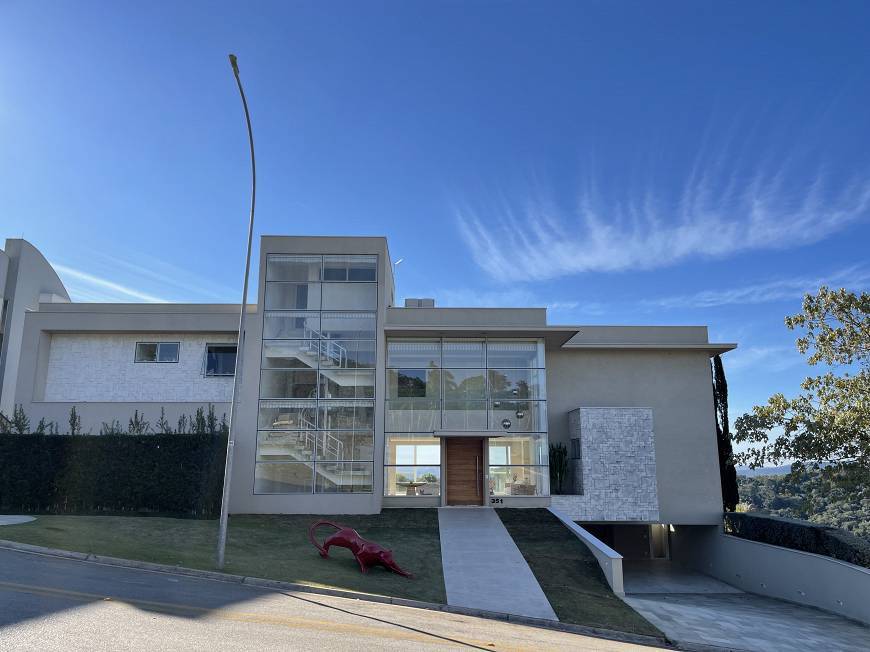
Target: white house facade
[350, 403]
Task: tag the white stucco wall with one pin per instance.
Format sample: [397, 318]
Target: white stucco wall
[100, 367]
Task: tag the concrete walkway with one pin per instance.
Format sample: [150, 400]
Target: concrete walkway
[483, 568]
[692, 608]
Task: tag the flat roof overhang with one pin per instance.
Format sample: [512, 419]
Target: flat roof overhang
[555, 336]
[713, 348]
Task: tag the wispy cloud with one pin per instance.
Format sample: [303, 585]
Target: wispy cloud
[183, 282]
[87, 287]
[715, 214]
[855, 277]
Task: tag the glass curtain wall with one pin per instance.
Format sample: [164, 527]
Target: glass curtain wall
[315, 429]
[465, 385]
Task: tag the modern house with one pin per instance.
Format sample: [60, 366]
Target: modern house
[350, 403]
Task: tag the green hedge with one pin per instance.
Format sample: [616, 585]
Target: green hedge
[799, 535]
[85, 474]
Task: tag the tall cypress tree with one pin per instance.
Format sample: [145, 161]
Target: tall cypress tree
[727, 472]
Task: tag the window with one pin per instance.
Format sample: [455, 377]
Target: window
[466, 384]
[350, 268]
[157, 351]
[220, 359]
[317, 380]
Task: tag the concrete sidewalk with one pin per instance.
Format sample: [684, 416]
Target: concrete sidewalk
[483, 568]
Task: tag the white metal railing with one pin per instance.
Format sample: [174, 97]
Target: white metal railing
[324, 348]
[330, 444]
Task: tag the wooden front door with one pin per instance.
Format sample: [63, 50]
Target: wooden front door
[464, 470]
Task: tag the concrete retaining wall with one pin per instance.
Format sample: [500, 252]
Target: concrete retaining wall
[609, 560]
[777, 572]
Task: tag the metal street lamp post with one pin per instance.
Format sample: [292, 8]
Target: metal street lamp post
[240, 348]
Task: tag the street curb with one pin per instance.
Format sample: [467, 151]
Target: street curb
[278, 585]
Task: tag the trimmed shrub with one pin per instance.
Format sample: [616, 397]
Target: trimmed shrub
[799, 535]
[178, 475]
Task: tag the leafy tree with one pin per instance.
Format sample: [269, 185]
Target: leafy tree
[75, 422]
[727, 472]
[42, 427]
[20, 421]
[829, 423]
[182, 425]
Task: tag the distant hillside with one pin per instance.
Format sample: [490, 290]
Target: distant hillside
[765, 470]
[830, 497]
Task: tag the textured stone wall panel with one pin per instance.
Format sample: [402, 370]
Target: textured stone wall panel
[618, 466]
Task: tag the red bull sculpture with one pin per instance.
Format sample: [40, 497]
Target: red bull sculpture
[367, 553]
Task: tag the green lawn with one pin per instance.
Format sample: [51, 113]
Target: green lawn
[273, 546]
[277, 547]
[569, 574]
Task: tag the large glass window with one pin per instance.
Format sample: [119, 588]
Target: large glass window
[292, 296]
[290, 354]
[466, 384]
[413, 383]
[409, 353]
[288, 383]
[516, 354]
[413, 449]
[347, 325]
[346, 415]
[464, 353]
[343, 477]
[317, 379]
[518, 450]
[412, 481]
[516, 383]
[347, 383]
[291, 325]
[412, 415]
[350, 296]
[518, 416]
[519, 481]
[293, 268]
[283, 477]
[350, 268]
[287, 415]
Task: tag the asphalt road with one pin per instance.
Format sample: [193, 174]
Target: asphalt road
[47, 603]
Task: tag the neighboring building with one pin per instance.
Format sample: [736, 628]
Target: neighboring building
[349, 403]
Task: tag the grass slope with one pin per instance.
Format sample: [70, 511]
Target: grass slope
[569, 574]
[268, 546]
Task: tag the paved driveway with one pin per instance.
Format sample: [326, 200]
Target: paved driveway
[694, 608]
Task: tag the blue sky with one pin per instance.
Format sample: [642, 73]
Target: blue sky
[620, 163]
